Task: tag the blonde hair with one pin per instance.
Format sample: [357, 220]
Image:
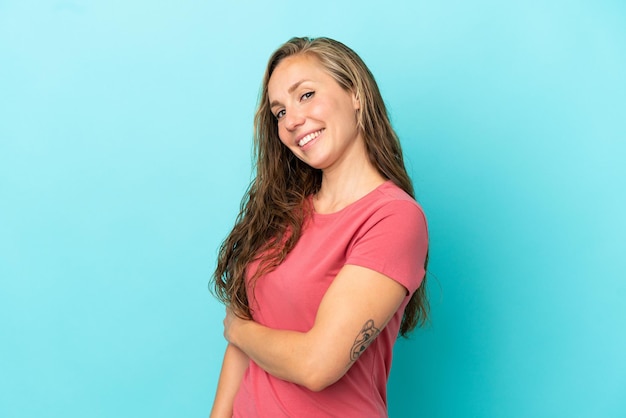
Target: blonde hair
[275, 205]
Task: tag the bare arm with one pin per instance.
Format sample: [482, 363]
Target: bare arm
[233, 367]
[356, 306]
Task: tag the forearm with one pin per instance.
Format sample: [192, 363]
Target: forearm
[354, 309]
[233, 367]
[289, 355]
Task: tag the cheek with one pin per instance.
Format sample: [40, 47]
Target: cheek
[319, 109]
[283, 135]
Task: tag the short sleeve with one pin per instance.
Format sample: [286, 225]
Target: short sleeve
[394, 242]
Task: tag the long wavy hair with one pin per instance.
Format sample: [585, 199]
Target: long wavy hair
[274, 208]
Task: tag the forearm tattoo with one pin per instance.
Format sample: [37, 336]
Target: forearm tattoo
[365, 337]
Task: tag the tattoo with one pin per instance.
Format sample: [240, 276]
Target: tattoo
[365, 337]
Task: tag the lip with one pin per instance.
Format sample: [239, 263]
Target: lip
[299, 138]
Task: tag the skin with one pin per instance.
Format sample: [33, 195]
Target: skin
[321, 356]
[360, 301]
[305, 99]
[319, 103]
[234, 365]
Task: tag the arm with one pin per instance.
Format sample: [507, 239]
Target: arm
[233, 367]
[356, 306]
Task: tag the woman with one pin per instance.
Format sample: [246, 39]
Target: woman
[326, 262]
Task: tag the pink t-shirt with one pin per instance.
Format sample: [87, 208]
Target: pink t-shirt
[384, 231]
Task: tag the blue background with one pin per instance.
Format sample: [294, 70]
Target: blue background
[125, 148]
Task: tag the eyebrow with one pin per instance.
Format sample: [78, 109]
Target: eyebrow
[289, 90]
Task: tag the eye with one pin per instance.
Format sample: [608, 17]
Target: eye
[280, 114]
[307, 95]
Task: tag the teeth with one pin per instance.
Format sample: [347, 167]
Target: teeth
[309, 137]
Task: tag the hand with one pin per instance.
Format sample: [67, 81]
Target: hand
[231, 322]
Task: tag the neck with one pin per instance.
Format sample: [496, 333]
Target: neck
[343, 186]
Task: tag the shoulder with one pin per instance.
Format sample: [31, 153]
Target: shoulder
[393, 237]
[391, 211]
[391, 200]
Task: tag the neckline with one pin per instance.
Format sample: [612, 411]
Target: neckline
[349, 206]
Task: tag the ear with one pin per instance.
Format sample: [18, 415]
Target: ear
[356, 102]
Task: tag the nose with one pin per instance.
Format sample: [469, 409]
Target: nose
[293, 119]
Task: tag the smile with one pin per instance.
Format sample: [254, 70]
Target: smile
[309, 138]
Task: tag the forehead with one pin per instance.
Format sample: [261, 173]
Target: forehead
[294, 69]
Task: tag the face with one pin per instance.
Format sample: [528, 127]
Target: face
[316, 118]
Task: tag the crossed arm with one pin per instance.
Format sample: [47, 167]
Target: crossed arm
[234, 366]
[357, 305]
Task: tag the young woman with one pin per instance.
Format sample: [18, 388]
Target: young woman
[326, 263]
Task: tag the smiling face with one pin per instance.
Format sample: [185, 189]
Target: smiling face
[316, 117]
